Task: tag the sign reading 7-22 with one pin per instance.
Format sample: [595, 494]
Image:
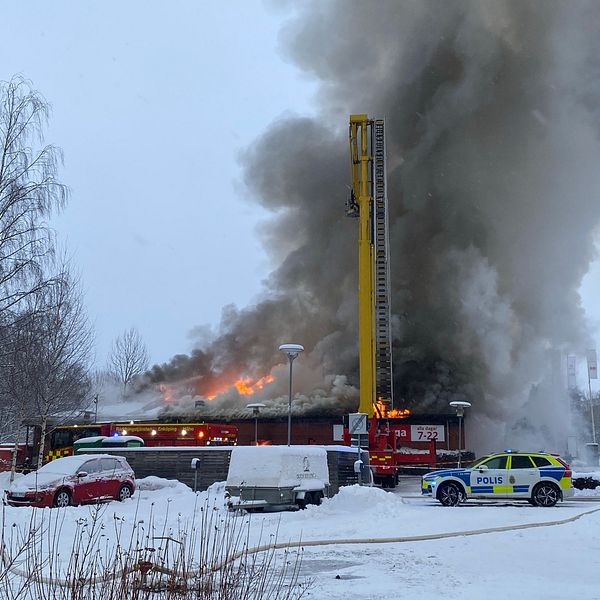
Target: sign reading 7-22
[425, 433]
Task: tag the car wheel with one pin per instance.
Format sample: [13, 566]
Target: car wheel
[449, 494]
[62, 499]
[545, 494]
[124, 493]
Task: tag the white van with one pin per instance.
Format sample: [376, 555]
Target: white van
[277, 477]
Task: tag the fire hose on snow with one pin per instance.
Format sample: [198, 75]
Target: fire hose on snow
[145, 567]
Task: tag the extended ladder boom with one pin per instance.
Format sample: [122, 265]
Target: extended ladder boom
[383, 334]
[368, 202]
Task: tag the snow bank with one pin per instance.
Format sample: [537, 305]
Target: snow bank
[587, 493]
[357, 499]
[152, 483]
[157, 489]
[592, 474]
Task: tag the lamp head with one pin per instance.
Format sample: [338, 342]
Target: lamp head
[292, 350]
[460, 406]
[256, 406]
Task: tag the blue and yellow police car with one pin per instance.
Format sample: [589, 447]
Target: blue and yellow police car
[538, 477]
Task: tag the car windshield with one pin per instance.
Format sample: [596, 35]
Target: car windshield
[482, 459]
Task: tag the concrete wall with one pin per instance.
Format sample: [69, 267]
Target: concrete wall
[213, 464]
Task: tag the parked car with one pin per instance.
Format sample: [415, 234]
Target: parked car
[74, 480]
[540, 478]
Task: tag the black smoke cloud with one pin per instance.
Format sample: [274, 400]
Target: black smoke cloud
[491, 112]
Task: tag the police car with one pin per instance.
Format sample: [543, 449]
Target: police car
[540, 478]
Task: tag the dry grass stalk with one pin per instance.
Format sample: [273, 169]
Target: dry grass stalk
[206, 558]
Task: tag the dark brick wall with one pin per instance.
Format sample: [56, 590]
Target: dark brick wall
[319, 430]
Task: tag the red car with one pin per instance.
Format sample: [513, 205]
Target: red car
[74, 480]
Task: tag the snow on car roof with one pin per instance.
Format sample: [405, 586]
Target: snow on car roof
[123, 438]
[109, 439]
[69, 464]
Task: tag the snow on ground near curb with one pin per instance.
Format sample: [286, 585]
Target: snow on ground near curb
[553, 563]
[372, 512]
[588, 493]
[422, 569]
[356, 512]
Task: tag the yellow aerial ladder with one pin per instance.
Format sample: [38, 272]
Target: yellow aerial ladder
[368, 203]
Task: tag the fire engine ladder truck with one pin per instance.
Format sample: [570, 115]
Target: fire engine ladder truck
[383, 336]
[368, 203]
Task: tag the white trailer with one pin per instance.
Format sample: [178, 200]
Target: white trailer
[277, 477]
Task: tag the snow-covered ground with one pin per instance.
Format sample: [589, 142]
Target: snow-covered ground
[560, 561]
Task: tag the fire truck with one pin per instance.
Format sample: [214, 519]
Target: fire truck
[61, 439]
[381, 433]
[394, 444]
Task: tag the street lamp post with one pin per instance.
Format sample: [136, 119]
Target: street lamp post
[255, 406]
[291, 351]
[460, 406]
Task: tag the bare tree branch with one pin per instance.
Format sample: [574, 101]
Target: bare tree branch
[48, 372]
[29, 192]
[128, 358]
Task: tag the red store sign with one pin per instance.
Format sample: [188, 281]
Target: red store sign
[421, 433]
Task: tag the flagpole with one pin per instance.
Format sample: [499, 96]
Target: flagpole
[592, 363]
[592, 409]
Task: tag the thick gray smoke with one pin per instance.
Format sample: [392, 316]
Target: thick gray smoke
[491, 114]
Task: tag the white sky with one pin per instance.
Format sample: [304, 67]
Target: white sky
[152, 101]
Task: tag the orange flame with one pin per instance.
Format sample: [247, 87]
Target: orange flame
[245, 386]
[166, 392]
[398, 413]
[388, 413]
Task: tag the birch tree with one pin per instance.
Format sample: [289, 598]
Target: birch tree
[29, 193]
[50, 369]
[128, 357]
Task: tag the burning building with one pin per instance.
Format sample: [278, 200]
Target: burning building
[491, 115]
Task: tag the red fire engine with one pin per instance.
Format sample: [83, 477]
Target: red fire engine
[61, 439]
[394, 444]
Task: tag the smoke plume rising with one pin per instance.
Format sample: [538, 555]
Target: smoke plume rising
[491, 111]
